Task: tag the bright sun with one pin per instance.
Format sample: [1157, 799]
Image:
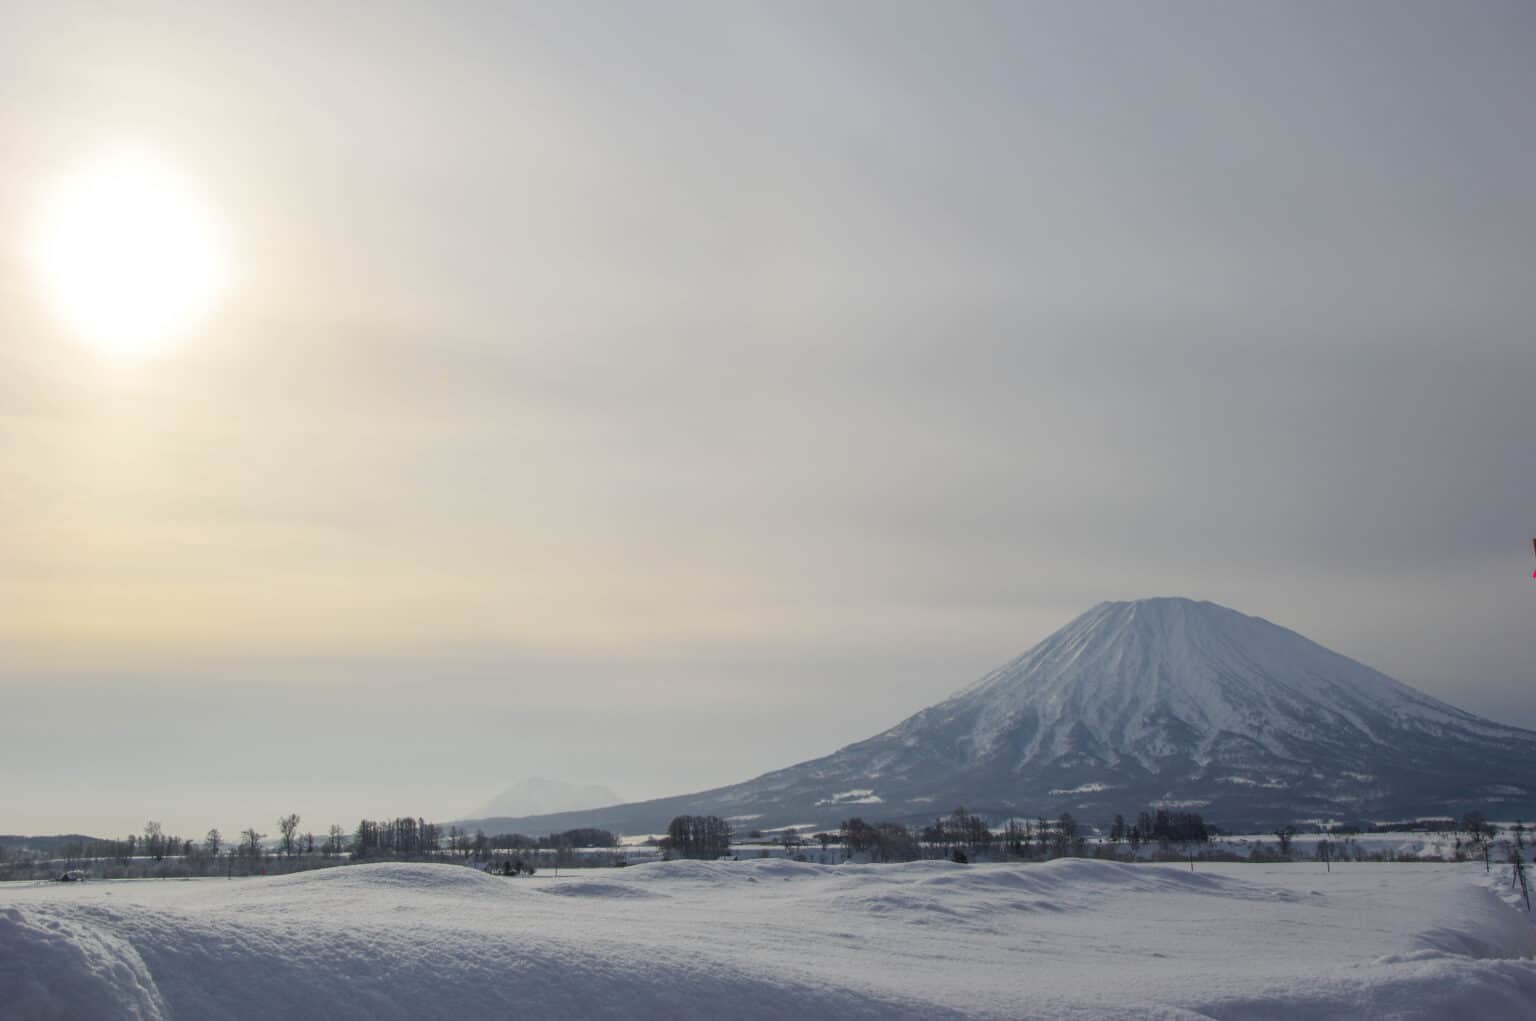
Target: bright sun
[129, 256]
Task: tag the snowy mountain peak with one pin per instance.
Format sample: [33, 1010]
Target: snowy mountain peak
[1171, 678]
[1184, 702]
[1169, 702]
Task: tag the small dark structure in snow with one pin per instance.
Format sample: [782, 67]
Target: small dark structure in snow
[512, 867]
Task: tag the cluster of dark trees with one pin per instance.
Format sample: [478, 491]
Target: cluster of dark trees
[1162, 827]
[963, 835]
[584, 836]
[882, 841]
[959, 831]
[697, 836]
[1043, 838]
[1473, 823]
[416, 838]
[402, 837]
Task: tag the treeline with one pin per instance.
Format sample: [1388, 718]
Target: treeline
[155, 853]
[961, 835]
[1474, 824]
[407, 839]
[155, 845]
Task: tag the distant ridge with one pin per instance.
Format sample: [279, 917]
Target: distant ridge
[1163, 701]
[45, 844]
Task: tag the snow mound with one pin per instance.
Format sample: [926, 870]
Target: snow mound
[412, 875]
[1418, 989]
[1077, 878]
[974, 897]
[725, 873]
[598, 888]
[60, 967]
[1484, 931]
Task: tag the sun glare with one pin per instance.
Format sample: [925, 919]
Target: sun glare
[128, 254]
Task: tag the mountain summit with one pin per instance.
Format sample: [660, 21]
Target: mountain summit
[1163, 701]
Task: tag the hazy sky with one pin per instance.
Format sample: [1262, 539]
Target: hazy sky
[653, 394]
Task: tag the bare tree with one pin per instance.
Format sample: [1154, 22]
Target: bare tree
[1517, 866]
[289, 825]
[250, 843]
[1066, 832]
[213, 841]
[1015, 837]
[1477, 826]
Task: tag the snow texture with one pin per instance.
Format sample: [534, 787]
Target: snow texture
[770, 939]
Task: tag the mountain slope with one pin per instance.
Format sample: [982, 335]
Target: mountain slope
[1158, 701]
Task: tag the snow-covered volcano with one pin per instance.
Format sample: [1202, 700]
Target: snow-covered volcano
[1154, 702]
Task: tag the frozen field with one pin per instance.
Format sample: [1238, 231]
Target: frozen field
[772, 939]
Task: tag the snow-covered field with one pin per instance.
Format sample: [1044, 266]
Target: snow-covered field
[772, 938]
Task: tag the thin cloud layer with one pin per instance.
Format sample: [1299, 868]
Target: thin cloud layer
[701, 351]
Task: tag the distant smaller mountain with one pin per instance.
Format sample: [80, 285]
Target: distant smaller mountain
[539, 795]
[37, 844]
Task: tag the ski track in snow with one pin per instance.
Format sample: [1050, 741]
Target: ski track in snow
[774, 938]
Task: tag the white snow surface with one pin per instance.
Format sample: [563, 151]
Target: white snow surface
[772, 939]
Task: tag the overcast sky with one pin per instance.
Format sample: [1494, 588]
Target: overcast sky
[653, 395]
